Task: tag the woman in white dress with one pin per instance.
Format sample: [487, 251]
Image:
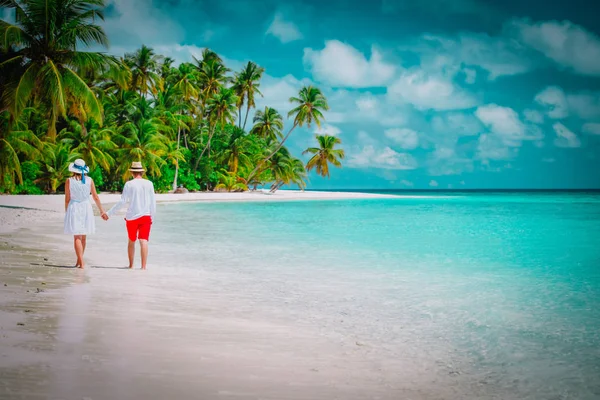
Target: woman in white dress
[79, 215]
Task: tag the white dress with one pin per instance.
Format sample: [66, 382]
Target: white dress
[79, 218]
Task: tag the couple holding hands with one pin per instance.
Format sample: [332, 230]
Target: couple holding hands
[138, 193]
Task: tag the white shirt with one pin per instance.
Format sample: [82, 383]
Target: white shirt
[139, 193]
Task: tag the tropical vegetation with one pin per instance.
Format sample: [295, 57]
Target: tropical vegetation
[193, 124]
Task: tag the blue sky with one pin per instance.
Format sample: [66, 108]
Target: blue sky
[429, 94]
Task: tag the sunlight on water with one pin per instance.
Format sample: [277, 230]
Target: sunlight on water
[499, 294]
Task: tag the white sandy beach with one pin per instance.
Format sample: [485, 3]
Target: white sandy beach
[109, 333]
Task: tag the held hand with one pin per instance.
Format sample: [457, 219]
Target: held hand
[105, 216]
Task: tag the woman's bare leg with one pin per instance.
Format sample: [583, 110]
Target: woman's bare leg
[83, 242]
[77, 243]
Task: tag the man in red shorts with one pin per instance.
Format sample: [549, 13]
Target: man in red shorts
[139, 194]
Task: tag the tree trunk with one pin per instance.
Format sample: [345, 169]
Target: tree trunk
[210, 135]
[251, 175]
[240, 116]
[177, 162]
[246, 118]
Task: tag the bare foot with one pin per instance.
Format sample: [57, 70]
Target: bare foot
[144, 268]
[130, 267]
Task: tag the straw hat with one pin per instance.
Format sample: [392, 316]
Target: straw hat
[78, 167]
[136, 166]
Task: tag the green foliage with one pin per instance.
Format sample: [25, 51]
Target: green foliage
[186, 123]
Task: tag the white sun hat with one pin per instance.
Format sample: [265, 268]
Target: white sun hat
[79, 167]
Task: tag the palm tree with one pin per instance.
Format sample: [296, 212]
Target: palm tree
[234, 152]
[54, 168]
[246, 84]
[325, 154]
[15, 142]
[267, 124]
[222, 108]
[144, 65]
[93, 145]
[230, 182]
[212, 76]
[47, 34]
[310, 102]
[142, 141]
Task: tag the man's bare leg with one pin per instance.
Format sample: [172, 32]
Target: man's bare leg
[144, 250]
[131, 252]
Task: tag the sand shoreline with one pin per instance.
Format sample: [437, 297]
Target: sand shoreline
[108, 333]
[55, 202]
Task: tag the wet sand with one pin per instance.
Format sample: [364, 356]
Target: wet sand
[107, 332]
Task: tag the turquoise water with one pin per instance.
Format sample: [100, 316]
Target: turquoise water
[497, 294]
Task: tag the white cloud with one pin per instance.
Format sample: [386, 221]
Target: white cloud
[534, 116]
[565, 137]
[457, 124]
[328, 129]
[499, 56]
[366, 103]
[569, 45]
[426, 91]
[491, 147]
[406, 183]
[445, 161]
[285, 31]
[404, 137]
[277, 92]
[137, 22]
[554, 100]
[558, 104]
[505, 123]
[470, 75]
[370, 156]
[586, 105]
[433, 183]
[548, 160]
[341, 65]
[591, 128]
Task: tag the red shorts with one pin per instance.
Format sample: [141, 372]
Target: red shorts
[139, 228]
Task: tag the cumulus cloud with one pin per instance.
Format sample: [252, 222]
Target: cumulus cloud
[277, 92]
[457, 124]
[341, 65]
[406, 183]
[497, 55]
[445, 161]
[585, 105]
[492, 147]
[559, 105]
[506, 124]
[425, 92]
[591, 128]
[554, 100]
[328, 129]
[371, 156]
[403, 137]
[568, 44]
[534, 116]
[285, 31]
[565, 137]
[433, 183]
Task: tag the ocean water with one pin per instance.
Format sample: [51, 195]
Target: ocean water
[495, 295]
